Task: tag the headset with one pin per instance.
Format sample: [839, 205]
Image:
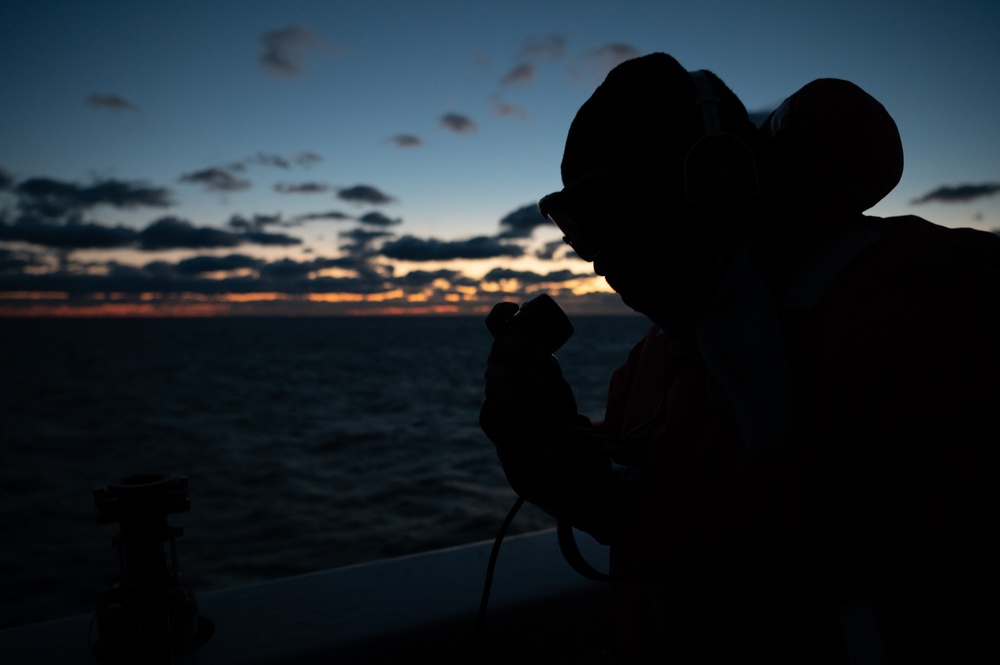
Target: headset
[720, 179]
[720, 173]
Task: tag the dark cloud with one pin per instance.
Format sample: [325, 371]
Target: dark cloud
[173, 233]
[270, 239]
[360, 241]
[267, 220]
[110, 101]
[530, 277]
[612, 55]
[254, 223]
[302, 188]
[265, 272]
[303, 159]
[270, 160]
[320, 216]
[509, 110]
[289, 268]
[364, 194]
[199, 265]
[421, 278]
[164, 233]
[361, 255]
[364, 235]
[551, 47]
[17, 261]
[307, 158]
[75, 284]
[240, 222]
[959, 193]
[55, 197]
[522, 73]
[598, 62]
[522, 222]
[406, 141]
[460, 124]
[216, 179]
[284, 51]
[224, 178]
[410, 248]
[75, 235]
[6, 179]
[378, 219]
[285, 268]
[549, 250]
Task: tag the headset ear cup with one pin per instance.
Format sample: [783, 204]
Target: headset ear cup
[720, 174]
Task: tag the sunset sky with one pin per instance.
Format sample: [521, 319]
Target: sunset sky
[341, 157]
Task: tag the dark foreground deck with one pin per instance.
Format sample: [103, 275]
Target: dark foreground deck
[407, 609]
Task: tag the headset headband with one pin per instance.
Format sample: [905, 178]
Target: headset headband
[719, 169]
[707, 101]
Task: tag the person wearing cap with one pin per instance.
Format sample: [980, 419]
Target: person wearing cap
[798, 463]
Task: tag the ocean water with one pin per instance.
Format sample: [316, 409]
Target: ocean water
[307, 443]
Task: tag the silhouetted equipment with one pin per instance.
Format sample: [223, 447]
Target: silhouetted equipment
[540, 321]
[146, 616]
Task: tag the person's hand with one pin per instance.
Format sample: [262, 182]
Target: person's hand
[543, 444]
[524, 383]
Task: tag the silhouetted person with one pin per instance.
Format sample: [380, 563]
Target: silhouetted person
[799, 461]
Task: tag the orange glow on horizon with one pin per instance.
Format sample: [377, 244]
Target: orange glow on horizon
[581, 294]
[395, 294]
[34, 295]
[595, 284]
[253, 297]
[335, 297]
[407, 311]
[117, 310]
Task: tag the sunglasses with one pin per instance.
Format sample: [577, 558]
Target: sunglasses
[580, 209]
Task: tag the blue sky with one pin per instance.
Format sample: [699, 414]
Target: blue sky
[258, 147]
